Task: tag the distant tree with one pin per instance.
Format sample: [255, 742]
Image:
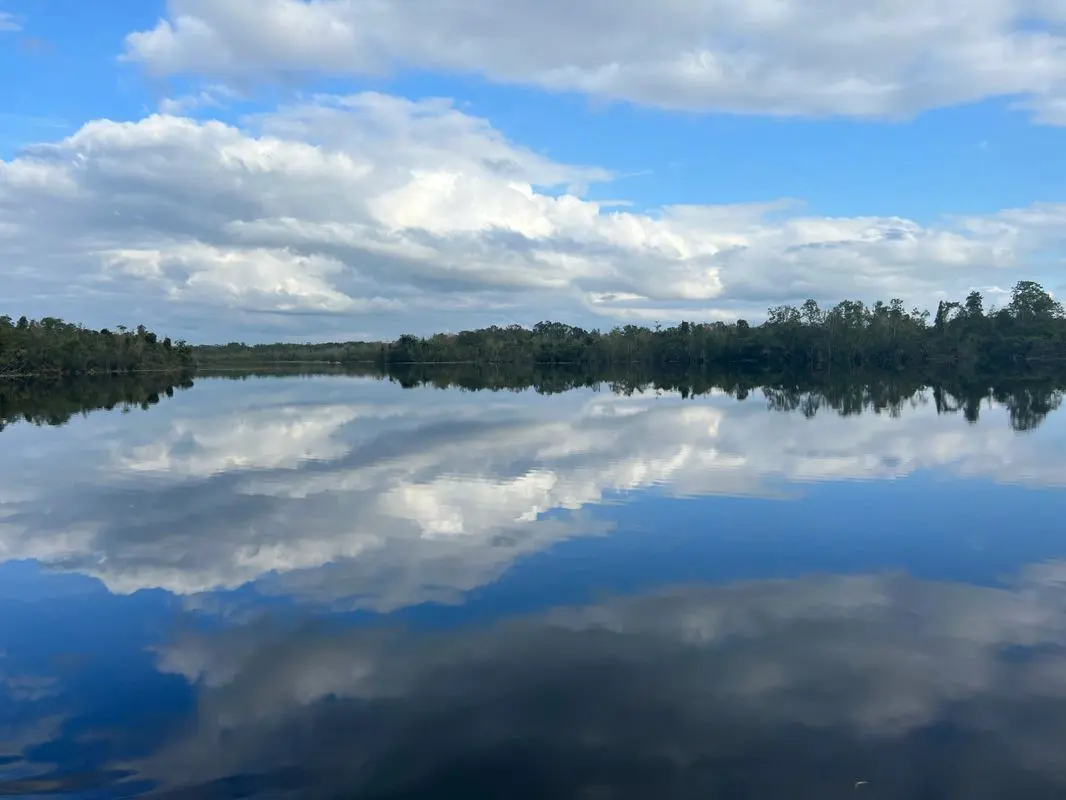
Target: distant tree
[849, 335]
[51, 346]
[974, 306]
[1030, 301]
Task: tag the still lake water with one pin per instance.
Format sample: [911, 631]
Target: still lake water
[320, 587]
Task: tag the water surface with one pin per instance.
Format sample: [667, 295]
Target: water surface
[327, 586]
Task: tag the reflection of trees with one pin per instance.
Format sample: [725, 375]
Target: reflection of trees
[1028, 403]
[967, 399]
[1029, 406]
[847, 399]
[1029, 400]
[54, 402]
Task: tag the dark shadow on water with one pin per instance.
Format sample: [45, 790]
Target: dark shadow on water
[54, 401]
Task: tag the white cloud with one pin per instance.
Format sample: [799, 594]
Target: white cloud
[413, 501]
[253, 278]
[27, 688]
[1049, 111]
[211, 97]
[875, 59]
[272, 438]
[418, 216]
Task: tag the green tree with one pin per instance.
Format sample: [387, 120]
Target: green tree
[1029, 301]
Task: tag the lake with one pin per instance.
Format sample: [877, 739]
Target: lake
[331, 586]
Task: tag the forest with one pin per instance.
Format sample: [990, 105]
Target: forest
[962, 337]
[53, 347]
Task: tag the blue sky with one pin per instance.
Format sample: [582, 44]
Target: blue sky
[224, 169]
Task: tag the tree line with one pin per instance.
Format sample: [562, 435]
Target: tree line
[960, 336]
[51, 346]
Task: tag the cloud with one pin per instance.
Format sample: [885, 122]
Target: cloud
[357, 494]
[27, 688]
[788, 57]
[210, 97]
[415, 215]
[819, 681]
[23, 733]
[10, 23]
[1051, 111]
[20, 687]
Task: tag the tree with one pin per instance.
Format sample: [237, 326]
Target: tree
[54, 347]
[850, 335]
[1029, 301]
[974, 306]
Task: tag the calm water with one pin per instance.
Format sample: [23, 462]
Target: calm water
[319, 587]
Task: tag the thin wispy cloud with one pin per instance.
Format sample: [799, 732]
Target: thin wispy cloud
[10, 23]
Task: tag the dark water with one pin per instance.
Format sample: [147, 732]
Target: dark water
[328, 587]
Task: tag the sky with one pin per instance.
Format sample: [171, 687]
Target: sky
[310, 170]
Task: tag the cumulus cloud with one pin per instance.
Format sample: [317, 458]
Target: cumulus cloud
[819, 681]
[788, 57]
[416, 216]
[371, 497]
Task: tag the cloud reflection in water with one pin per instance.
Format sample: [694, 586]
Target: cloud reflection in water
[418, 496]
